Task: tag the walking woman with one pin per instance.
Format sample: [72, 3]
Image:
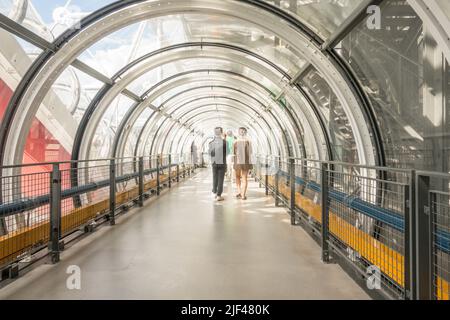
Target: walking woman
[242, 165]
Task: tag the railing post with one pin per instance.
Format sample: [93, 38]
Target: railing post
[158, 182]
[178, 172]
[409, 238]
[112, 192]
[170, 171]
[55, 213]
[266, 166]
[434, 256]
[292, 185]
[259, 172]
[277, 189]
[141, 181]
[325, 214]
[423, 245]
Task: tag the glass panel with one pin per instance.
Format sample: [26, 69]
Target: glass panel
[322, 16]
[5, 95]
[116, 50]
[16, 56]
[104, 136]
[42, 146]
[56, 122]
[150, 79]
[400, 67]
[74, 90]
[336, 120]
[205, 85]
[50, 18]
[135, 131]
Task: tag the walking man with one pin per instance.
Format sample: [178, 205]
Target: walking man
[218, 153]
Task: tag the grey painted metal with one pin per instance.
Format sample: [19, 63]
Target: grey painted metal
[141, 181]
[112, 191]
[325, 214]
[277, 187]
[292, 186]
[22, 32]
[170, 171]
[266, 175]
[349, 24]
[158, 176]
[80, 65]
[132, 95]
[301, 73]
[55, 213]
[423, 226]
[409, 256]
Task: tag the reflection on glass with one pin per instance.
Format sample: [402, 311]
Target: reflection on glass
[50, 18]
[341, 134]
[107, 128]
[400, 67]
[116, 50]
[322, 16]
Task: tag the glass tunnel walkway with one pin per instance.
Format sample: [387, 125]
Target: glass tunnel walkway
[105, 105]
[184, 245]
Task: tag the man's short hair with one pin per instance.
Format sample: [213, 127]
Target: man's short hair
[218, 129]
[243, 128]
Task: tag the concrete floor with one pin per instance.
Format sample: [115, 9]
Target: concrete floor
[185, 246]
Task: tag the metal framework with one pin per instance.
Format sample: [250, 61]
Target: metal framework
[93, 24]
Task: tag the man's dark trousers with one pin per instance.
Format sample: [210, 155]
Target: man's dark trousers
[218, 178]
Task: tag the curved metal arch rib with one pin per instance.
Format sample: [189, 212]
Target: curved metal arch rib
[164, 136]
[268, 143]
[207, 118]
[106, 90]
[216, 99]
[240, 92]
[239, 101]
[119, 136]
[89, 22]
[237, 113]
[186, 81]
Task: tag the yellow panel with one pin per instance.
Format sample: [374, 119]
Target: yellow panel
[388, 260]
